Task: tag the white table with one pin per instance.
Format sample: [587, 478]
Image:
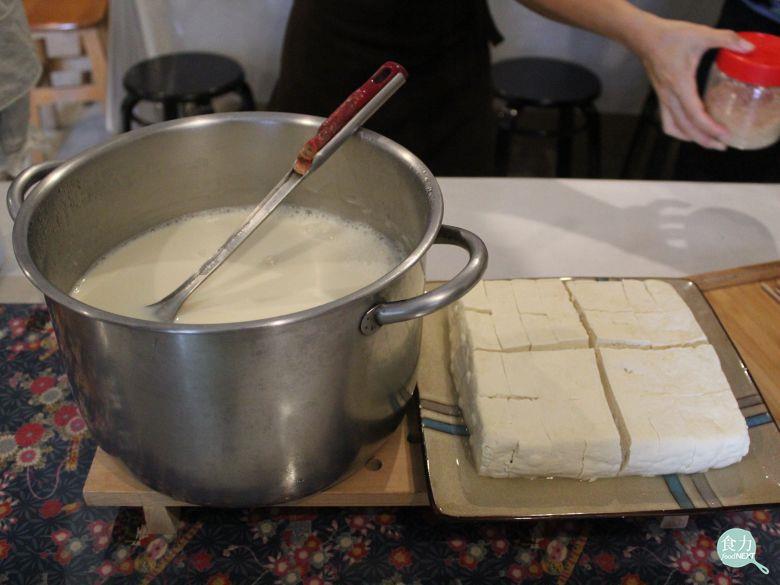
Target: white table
[576, 227]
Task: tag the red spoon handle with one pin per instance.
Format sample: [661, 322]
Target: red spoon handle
[345, 112]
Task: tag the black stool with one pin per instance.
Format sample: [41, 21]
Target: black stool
[179, 79]
[548, 83]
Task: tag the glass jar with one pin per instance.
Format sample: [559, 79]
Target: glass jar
[743, 92]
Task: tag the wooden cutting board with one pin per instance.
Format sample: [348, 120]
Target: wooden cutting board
[752, 319]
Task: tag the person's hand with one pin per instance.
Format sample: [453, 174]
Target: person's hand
[670, 51]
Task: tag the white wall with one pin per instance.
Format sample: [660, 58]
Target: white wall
[252, 32]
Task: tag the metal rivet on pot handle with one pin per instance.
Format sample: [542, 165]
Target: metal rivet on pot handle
[446, 294]
[22, 183]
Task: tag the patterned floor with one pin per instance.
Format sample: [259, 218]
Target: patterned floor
[48, 536]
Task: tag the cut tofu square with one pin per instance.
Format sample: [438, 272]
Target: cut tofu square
[473, 330]
[548, 315]
[545, 296]
[483, 376]
[547, 332]
[554, 292]
[469, 332]
[664, 295]
[539, 330]
[672, 327]
[636, 329]
[506, 318]
[599, 295]
[635, 313]
[554, 420]
[503, 438]
[569, 332]
[576, 416]
[476, 299]
[615, 329]
[527, 297]
[639, 298]
[675, 410]
[496, 422]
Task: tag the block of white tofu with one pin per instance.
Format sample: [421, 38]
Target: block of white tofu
[635, 313]
[675, 410]
[574, 413]
[506, 318]
[539, 414]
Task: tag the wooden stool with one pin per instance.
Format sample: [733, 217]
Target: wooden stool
[78, 17]
[548, 83]
[182, 79]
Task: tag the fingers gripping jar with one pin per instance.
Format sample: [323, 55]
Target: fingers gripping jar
[743, 92]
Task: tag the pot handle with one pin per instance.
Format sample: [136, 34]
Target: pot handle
[22, 183]
[446, 294]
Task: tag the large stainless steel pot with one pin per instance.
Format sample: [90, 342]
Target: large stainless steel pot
[247, 413]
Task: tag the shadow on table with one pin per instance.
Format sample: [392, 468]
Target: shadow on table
[662, 231]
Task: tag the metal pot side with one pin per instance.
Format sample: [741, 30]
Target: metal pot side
[243, 414]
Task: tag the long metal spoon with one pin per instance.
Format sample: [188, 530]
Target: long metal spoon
[333, 132]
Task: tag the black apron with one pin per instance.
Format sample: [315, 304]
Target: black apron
[443, 114]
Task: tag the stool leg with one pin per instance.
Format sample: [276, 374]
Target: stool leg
[247, 99]
[643, 124]
[160, 520]
[593, 123]
[93, 47]
[127, 111]
[170, 110]
[563, 166]
[506, 126]
[660, 156]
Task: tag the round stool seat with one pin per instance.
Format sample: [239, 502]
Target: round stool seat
[56, 15]
[183, 77]
[536, 81]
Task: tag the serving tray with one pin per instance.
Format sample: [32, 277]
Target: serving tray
[457, 490]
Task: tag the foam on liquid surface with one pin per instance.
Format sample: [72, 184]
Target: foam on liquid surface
[298, 259]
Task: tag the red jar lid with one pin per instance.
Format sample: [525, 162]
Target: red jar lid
[759, 67]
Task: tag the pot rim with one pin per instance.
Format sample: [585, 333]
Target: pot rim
[39, 192]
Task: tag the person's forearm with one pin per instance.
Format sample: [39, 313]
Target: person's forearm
[670, 51]
[617, 19]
